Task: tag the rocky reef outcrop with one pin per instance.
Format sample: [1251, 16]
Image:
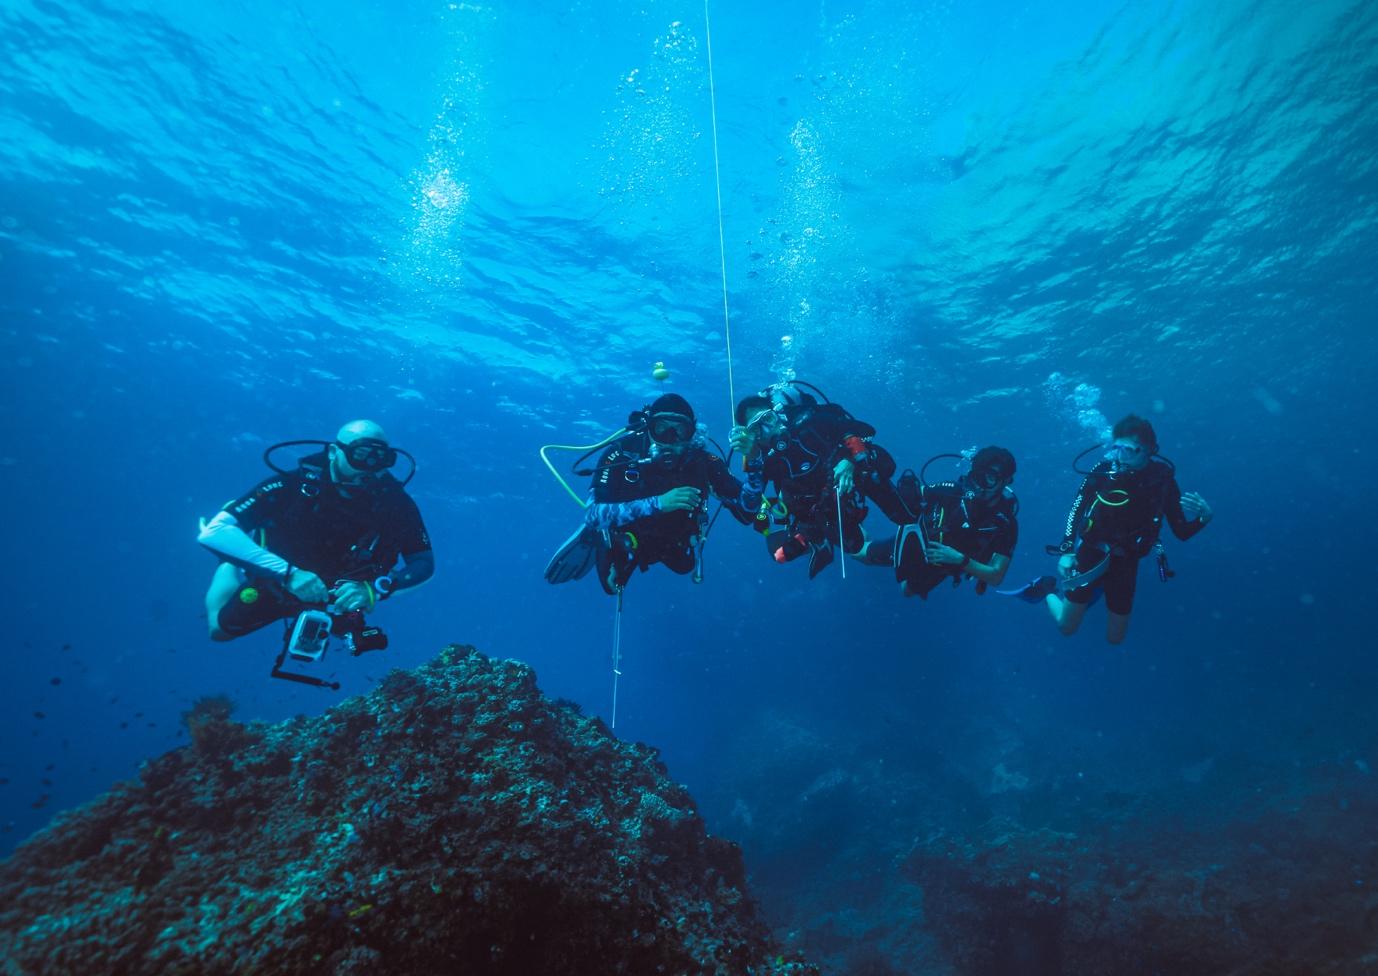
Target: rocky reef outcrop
[453, 820]
[1287, 892]
[880, 857]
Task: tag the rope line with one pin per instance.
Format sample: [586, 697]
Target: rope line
[722, 246]
[727, 336]
[841, 545]
[616, 653]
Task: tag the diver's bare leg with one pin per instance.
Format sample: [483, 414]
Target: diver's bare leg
[1066, 614]
[224, 582]
[1116, 627]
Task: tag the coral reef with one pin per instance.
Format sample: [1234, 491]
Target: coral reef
[453, 820]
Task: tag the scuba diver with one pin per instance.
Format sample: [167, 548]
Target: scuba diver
[325, 536]
[648, 502]
[1115, 521]
[823, 465]
[956, 529]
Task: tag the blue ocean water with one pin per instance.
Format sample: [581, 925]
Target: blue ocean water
[222, 227]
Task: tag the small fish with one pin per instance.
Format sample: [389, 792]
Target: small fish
[40, 714]
[66, 647]
[41, 802]
[54, 681]
[124, 725]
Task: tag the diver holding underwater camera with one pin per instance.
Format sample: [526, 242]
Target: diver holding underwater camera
[339, 515]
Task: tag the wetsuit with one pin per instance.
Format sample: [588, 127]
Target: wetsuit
[946, 513]
[800, 462]
[304, 520]
[1122, 515]
[625, 505]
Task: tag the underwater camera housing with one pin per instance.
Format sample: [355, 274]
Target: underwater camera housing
[308, 637]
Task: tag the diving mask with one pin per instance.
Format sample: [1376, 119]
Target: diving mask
[670, 428]
[764, 424]
[985, 480]
[368, 454]
[1127, 456]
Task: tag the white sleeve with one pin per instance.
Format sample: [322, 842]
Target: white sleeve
[223, 536]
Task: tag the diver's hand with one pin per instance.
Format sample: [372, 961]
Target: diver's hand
[740, 440]
[352, 595]
[1194, 507]
[680, 500]
[843, 476]
[938, 554]
[307, 587]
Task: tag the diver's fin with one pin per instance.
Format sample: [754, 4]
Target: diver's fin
[873, 553]
[576, 557]
[1035, 590]
[821, 558]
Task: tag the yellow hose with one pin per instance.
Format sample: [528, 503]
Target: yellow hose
[575, 447]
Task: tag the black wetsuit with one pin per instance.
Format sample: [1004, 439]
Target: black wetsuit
[1122, 515]
[338, 533]
[943, 513]
[800, 463]
[628, 480]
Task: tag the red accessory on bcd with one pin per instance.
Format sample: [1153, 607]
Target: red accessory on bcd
[857, 447]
